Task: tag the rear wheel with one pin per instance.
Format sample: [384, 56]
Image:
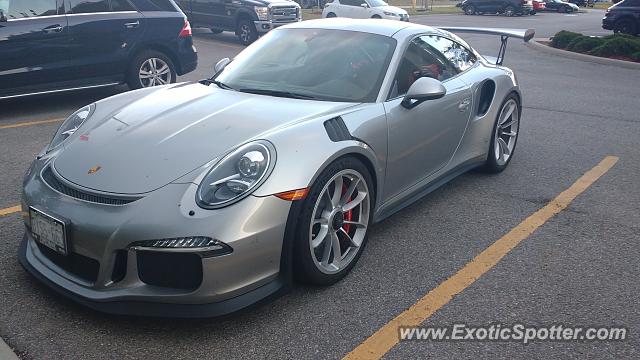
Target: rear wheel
[331, 15]
[150, 68]
[509, 11]
[216, 31]
[625, 26]
[504, 136]
[331, 232]
[469, 10]
[246, 32]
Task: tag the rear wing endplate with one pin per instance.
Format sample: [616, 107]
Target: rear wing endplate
[505, 34]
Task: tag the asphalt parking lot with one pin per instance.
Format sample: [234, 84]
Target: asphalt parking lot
[578, 268]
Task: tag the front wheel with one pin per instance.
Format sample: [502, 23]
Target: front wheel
[246, 32]
[376, 17]
[150, 68]
[509, 11]
[568, 9]
[504, 136]
[625, 26]
[331, 231]
[331, 15]
[469, 10]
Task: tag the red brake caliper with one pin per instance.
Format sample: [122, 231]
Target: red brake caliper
[348, 216]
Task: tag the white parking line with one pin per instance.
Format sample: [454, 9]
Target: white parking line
[5, 352]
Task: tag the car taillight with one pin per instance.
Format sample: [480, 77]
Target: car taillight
[186, 30]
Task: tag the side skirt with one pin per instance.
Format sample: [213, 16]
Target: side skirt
[430, 187]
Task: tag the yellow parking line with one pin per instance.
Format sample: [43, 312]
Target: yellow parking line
[10, 210]
[386, 337]
[30, 123]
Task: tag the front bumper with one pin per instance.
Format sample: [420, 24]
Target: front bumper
[99, 233]
[267, 25]
[608, 23]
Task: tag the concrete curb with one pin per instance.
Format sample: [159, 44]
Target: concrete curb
[5, 352]
[582, 57]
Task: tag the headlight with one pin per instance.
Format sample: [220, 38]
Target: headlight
[237, 175]
[70, 126]
[390, 13]
[262, 12]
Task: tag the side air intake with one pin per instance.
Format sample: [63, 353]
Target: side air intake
[337, 130]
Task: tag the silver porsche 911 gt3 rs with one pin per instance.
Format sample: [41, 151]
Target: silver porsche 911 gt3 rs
[199, 199]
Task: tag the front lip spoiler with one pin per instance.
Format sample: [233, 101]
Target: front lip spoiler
[253, 298]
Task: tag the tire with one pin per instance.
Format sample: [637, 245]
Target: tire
[144, 63]
[246, 32]
[310, 246]
[376, 17]
[469, 10]
[509, 11]
[532, 12]
[496, 162]
[568, 9]
[216, 31]
[331, 15]
[625, 26]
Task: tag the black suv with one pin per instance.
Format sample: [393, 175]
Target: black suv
[58, 45]
[623, 17]
[506, 7]
[247, 18]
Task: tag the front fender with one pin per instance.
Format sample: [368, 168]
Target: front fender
[302, 157]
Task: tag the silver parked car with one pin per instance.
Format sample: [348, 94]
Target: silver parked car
[199, 199]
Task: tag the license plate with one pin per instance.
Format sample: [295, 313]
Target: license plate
[48, 231]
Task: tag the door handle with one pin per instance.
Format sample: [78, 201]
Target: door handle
[464, 104]
[53, 28]
[132, 25]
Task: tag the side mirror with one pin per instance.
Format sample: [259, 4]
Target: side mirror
[423, 89]
[365, 5]
[220, 65]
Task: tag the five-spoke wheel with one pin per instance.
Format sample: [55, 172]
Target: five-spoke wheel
[505, 135]
[332, 228]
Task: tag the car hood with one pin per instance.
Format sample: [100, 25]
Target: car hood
[393, 9]
[153, 140]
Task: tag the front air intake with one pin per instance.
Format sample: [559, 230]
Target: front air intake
[52, 180]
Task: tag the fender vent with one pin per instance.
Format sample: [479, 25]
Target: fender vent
[51, 180]
[337, 130]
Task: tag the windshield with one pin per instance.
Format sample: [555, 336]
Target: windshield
[318, 64]
[376, 3]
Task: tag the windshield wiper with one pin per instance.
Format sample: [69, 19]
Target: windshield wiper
[279, 93]
[221, 85]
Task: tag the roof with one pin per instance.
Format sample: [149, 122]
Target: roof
[373, 26]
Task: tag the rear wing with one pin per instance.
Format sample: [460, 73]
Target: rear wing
[505, 34]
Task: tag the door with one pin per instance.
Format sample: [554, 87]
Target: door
[102, 33]
[210, 13]
[422, 140]
[33, 44]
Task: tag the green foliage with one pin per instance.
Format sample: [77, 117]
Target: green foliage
[562, 39]
[617, 46]
[584, 44]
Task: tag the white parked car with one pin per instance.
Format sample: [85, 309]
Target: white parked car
[364, 9]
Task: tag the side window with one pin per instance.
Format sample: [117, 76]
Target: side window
[351, 2]
[20, 9]
[461, 57]
[121, 5]
[89, 6]
[164, 5]
[420, 60]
